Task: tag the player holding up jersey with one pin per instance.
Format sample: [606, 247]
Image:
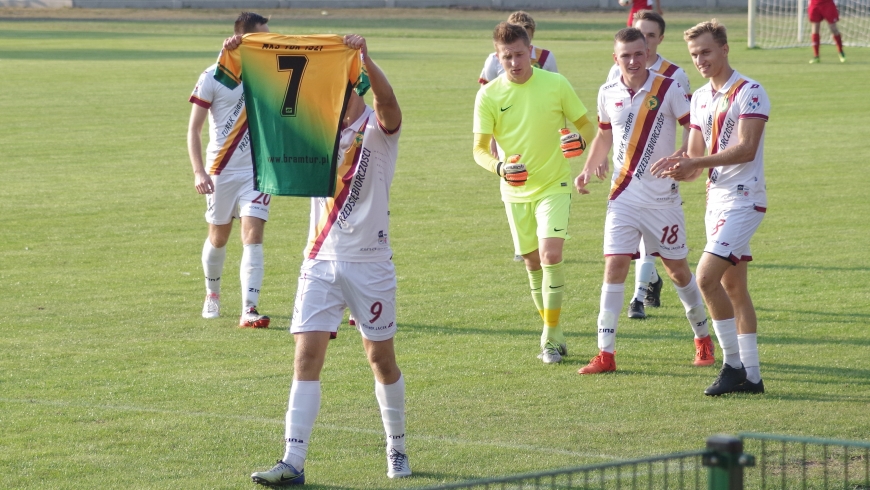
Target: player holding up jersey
[539, 57]
[819, 10]
[648, 284]
[227, 180]
[640, 112]
[728, 119]
[525, 109]
[347, 264]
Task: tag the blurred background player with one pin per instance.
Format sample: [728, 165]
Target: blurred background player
[228, 184]
[648, 283]
[525, 109]
[728, 118]
[641, 112]
[817, 10]
[638, 5]
[540, 58]
[349, 266]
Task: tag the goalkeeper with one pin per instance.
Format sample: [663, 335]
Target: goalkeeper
[525, 109]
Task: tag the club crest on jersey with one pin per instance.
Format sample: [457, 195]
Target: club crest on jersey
[754, 102]
[723, 104]
[358, 139]
[652, 103]
[382, 238]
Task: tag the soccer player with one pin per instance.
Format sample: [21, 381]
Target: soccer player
[539, 57]
[648, 284]
[827, 10]
[638, 5]
[228, 185]
[347, 264]
[640, 113]
[727, 119]
[525, 109]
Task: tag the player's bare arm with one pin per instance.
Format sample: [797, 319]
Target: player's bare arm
[202, 182]
[600, 147]
[384, 102]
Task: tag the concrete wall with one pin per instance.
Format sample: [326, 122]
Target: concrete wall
[262, 4]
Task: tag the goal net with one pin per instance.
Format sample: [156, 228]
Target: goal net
[784, 23]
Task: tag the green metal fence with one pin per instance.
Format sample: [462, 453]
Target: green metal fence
[803, 463]
[749, 461]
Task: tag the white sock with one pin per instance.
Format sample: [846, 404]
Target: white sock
[690, 296]
[391, 399]
[726, 332]
[644, 270]
[213, 266]
[251, 274]
[302, 411]
[612, 297]
[749, 355]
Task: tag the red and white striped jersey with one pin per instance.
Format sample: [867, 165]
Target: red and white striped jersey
[716, 114]
[229, 144]
[644, 126]
[353, 224]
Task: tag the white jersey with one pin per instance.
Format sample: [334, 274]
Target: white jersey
[353, 225]
[644, 126]
[664, 68]
[716, 115]
[229, 144]
[540, 57]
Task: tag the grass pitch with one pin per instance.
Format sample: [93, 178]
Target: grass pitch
[110, 378]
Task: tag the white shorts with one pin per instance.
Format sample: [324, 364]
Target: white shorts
[730, 229]
[327, 287]
[663, 231]
[235, 196]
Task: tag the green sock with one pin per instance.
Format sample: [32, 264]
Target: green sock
[536, 279]
[552, 287]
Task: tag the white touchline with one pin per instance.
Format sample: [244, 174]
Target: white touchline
[356, 430]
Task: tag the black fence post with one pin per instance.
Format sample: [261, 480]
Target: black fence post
[725, 460]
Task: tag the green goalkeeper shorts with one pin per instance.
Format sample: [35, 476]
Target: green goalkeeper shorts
[532, 221]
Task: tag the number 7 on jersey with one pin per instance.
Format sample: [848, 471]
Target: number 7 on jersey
[295, 64]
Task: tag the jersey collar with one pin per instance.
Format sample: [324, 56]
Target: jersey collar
[727, 86]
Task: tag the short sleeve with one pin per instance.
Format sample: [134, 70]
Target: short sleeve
[695, 119]
[603, 116]
[229, 68]
[490, 69]
[753, 102]
[679, 103]
[203, 93]
[550, 63]
[683, 79]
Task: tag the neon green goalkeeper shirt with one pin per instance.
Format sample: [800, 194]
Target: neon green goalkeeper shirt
[525, 119]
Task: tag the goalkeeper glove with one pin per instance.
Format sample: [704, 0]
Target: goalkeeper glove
[513, 171]
[572, 143]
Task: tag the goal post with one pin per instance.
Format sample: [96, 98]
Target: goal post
[784, 23]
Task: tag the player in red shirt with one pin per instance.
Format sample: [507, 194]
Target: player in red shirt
[827, 10]
[638, 5]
